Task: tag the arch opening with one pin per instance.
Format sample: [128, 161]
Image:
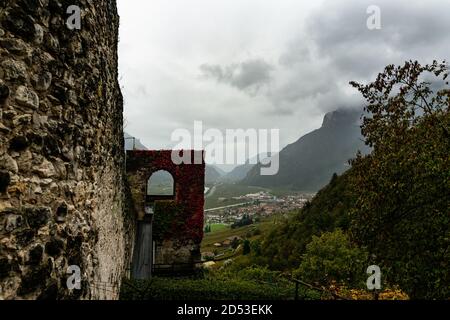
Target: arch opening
[160, 186]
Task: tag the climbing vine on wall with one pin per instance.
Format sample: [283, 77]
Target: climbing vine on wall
[167, 220]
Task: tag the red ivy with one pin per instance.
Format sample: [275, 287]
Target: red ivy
[189, 189]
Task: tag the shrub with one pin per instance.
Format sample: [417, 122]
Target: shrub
[257, 232]
[332, 257]
[246, 247]
[254, 283]
[201, 289]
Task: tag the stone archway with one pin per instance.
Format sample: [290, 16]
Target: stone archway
[161, 184]
[175, 222]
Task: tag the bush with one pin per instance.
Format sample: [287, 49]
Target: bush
[201, 289]
[254, 283]
[246, 247]
[332, 257]
[256, 248]
[257, 232]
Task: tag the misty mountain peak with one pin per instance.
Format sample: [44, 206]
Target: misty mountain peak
[341, 117]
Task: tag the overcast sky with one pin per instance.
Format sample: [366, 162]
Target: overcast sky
[261, 63]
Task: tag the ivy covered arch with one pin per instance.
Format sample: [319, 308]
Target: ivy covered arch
[177, 219]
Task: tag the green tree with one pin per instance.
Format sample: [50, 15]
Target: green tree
[235, 243]
[402, 211]
[332, 257]
[256, 247]
[246, 247]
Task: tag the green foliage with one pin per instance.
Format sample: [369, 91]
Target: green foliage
[246, 247]
[231, 283]
[235, 243]
[257, 232]
[282, 248]
[332, 257]
[167, 219]
[203, 289]
[403, 200]
[245, 221]
[218, 227]
[251, 273]
[256, 247]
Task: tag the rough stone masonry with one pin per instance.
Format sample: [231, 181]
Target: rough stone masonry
[61, 151]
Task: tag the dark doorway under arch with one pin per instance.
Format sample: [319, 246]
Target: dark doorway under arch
[160, 186]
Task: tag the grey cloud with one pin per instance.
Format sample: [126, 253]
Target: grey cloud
[409, 30]
[336, 47]
[300, 69]
[297, 51]
[247, 76]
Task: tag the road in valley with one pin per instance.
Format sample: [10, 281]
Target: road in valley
[230, 206]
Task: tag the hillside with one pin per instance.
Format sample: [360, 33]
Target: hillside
[212, 174]
[309, 163]
[238, 173]
[283, 246]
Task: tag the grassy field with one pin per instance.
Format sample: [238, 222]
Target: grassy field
[218, 227]
[244, 232]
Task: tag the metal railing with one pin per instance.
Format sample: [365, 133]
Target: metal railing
[299, 283]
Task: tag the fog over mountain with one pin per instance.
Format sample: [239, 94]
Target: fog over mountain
[309, 163]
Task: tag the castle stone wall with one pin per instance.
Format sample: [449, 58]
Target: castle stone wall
[61, 151]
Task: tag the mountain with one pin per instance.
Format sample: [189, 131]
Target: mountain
[131, 142]
[238, 173]
[219, 170]
[309, 163]
[241, 171]
[212, 174]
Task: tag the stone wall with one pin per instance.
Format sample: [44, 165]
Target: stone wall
[177, 224]
[61, 151]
